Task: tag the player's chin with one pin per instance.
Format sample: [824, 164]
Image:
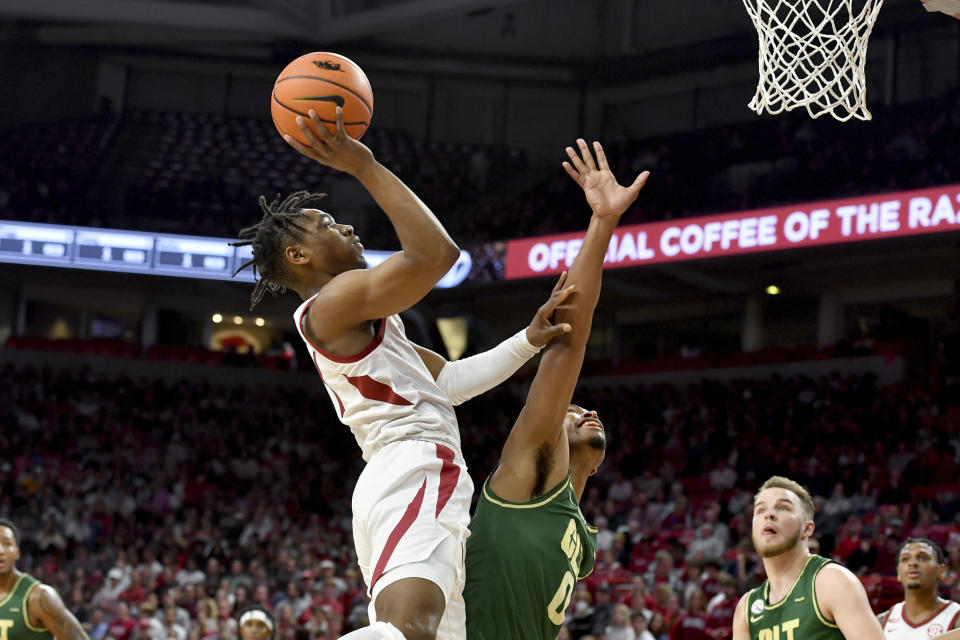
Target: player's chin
[598, 442]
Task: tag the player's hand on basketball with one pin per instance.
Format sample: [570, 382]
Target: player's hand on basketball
[337, 151]
[604, 194]
[541, 329]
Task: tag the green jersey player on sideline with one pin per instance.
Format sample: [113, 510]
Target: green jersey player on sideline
[805, 596]
[29, 610]
[529, 543]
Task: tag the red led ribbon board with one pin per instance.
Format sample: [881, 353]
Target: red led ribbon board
[890, 215]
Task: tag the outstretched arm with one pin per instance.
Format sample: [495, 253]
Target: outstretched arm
[540, 422]
[400, 281]
[46, 607]
[467, 378]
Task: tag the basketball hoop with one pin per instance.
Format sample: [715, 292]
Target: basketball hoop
[813, 54]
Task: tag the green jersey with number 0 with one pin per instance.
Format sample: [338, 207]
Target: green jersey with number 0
[797, 616]
[14, 621]
[523, 560]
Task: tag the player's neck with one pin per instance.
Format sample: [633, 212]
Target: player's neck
[578, 481]
[783, 570]
[311, 285]
[918, 606]
[8, 580]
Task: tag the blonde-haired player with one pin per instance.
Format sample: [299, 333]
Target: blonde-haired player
[805, 596]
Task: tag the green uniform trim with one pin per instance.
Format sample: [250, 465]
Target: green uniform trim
[16, 585]
[26, 616]
[816, 602]
[14, 611]
[796, 616]
[533, 504]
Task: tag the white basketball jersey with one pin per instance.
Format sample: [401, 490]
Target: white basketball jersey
[896, 627]
[384, 393]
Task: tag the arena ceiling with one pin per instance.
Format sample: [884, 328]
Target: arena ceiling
[528, 30]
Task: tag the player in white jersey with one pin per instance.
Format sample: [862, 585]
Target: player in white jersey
[411, 503]
[923, 614]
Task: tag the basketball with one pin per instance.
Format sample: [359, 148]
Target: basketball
[322, 81]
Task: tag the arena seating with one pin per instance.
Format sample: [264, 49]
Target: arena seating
[201, 174]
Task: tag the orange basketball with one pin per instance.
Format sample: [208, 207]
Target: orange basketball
[322, 81]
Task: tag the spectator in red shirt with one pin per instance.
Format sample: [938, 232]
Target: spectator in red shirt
[721, 607]
[136, 592]
[851, 533]
[692, 625]
[121, 627]
[327, 598]
[355, 591]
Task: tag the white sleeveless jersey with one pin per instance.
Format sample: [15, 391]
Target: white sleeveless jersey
[896, 627]
[384, 393]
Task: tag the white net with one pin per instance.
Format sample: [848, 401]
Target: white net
[813, 54]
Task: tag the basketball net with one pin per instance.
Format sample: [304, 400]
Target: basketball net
[813, 54]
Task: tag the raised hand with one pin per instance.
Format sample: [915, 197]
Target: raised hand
[541, 329]
[604, 194]
[339, 151]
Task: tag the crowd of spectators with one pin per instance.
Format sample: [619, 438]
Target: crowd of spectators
[159, 510]
[201, 174]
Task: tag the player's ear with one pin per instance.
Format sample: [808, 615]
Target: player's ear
[295, 254]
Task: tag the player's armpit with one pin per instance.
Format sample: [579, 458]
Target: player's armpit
[433, 361]
[538, 431]
[360, 295]
[842, 599]
[950, 635]
[46, 607]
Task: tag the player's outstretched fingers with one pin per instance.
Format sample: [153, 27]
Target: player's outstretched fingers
[572, 173]
[341, 131]
[322, 130]
[307, 151]
[560, 281]
[640, 181]
[601, 156]
[587, 156]
[575, 160]
[308, 133]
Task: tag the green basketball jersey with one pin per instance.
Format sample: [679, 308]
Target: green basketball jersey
[14, 623]
[797, 616]
[523, 560]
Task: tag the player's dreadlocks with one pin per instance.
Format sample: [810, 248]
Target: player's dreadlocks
[280, 224]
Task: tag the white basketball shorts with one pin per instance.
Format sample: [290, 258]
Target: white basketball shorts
[411, 512]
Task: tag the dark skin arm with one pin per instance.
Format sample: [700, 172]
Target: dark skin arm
[539, 427]
[46, 609]
[353, 298]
